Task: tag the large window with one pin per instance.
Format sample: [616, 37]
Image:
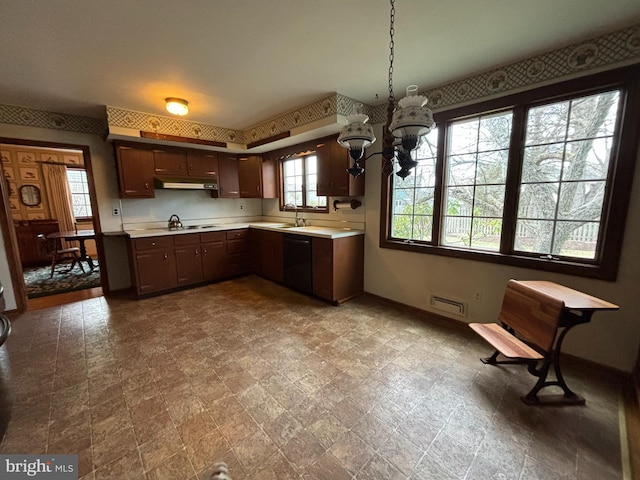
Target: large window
[300, 180]
[79, 187]
[539, 179]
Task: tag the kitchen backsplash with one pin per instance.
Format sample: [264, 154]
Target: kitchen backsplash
[198, 208]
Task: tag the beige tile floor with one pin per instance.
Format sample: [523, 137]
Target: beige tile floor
[282, 386]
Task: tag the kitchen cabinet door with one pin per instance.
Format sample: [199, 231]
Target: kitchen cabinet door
[214, 258]
[135, 172]
[154, 264]
[228, 182]
[170, 162]
[188, 259]
[267, 254]
[155, 270]
[338, 268]
[250, 176]
[333, 179]
[202, 164]
[269, 178]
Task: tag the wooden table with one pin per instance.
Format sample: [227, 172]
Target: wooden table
[578, 309]
[80, 236]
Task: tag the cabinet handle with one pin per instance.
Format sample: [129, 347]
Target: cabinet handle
[166, 256]
[204, 250]
[146, 185]
[153, 244]
[196, 252]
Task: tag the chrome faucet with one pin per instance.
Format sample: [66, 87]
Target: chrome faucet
[299, 221]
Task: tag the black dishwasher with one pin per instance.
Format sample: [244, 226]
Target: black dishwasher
[297, 262]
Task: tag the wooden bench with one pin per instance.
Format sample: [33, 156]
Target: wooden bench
[529, 321]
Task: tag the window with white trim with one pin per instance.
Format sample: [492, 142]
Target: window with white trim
[300, 181]
[81, 203]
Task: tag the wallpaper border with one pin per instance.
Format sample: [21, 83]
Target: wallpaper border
[607, 51]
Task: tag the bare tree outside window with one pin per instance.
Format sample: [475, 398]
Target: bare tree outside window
[566, 163]
[538, 179]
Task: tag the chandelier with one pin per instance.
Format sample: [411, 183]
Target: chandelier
[406, 123]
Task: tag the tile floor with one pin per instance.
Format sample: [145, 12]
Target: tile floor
[282, 386]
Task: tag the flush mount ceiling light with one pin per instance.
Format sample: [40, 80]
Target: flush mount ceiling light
[406, 123]
[177, 106]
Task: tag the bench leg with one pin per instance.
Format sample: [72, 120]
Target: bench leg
[552, 359]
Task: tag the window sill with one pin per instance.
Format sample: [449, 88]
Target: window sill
[594, 270]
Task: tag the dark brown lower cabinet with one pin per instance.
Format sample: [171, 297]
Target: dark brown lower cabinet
[214, 255]
[338, 268]
[238, 261]
[154, 264]
[267, 248]
[188, 259]
[171, 261]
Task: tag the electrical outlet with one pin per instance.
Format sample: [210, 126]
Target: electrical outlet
[115, 212]
[241, 205]
[477, 297]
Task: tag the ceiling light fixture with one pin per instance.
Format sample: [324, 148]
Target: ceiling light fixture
[177, 106]
[406, 123]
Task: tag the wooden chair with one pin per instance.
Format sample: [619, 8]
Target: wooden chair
[61, 255]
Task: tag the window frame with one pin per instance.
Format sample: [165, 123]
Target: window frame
[81, 168]
[617, 190]
[304, 208]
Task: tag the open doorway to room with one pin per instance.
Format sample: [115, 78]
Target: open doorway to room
[50, 196]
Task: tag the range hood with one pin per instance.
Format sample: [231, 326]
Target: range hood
[186, 183]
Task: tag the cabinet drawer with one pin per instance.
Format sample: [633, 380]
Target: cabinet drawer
[152, 242]
[322, 247]
[187, 239]
[238, 246]
[213, 237]
[236, 234]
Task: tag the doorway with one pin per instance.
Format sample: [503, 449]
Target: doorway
[52, 217]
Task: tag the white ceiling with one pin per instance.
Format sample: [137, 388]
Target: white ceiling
[242, 62]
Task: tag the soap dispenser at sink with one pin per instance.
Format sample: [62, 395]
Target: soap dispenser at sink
[175, 223]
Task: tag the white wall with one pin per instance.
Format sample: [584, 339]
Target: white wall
[611, 338]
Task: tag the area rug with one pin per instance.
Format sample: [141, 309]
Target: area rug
[39, 284]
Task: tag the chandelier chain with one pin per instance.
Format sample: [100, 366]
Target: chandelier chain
[391, 48]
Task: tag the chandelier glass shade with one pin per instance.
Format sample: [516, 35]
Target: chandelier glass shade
[357, 135]
[407, 122]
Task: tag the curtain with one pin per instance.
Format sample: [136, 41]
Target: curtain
[59, 196]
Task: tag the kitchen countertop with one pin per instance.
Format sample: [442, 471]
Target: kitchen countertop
[311, 230]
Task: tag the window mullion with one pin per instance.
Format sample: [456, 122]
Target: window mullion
[438, 193]
[514, 172]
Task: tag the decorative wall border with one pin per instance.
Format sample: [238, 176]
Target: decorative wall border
[58, 121]
[329, 106]
[118, 117]
[607, 51]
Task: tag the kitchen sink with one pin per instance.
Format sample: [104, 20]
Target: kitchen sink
[194, 227]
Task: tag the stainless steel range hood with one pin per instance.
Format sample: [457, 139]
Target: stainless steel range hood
[186, 183]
